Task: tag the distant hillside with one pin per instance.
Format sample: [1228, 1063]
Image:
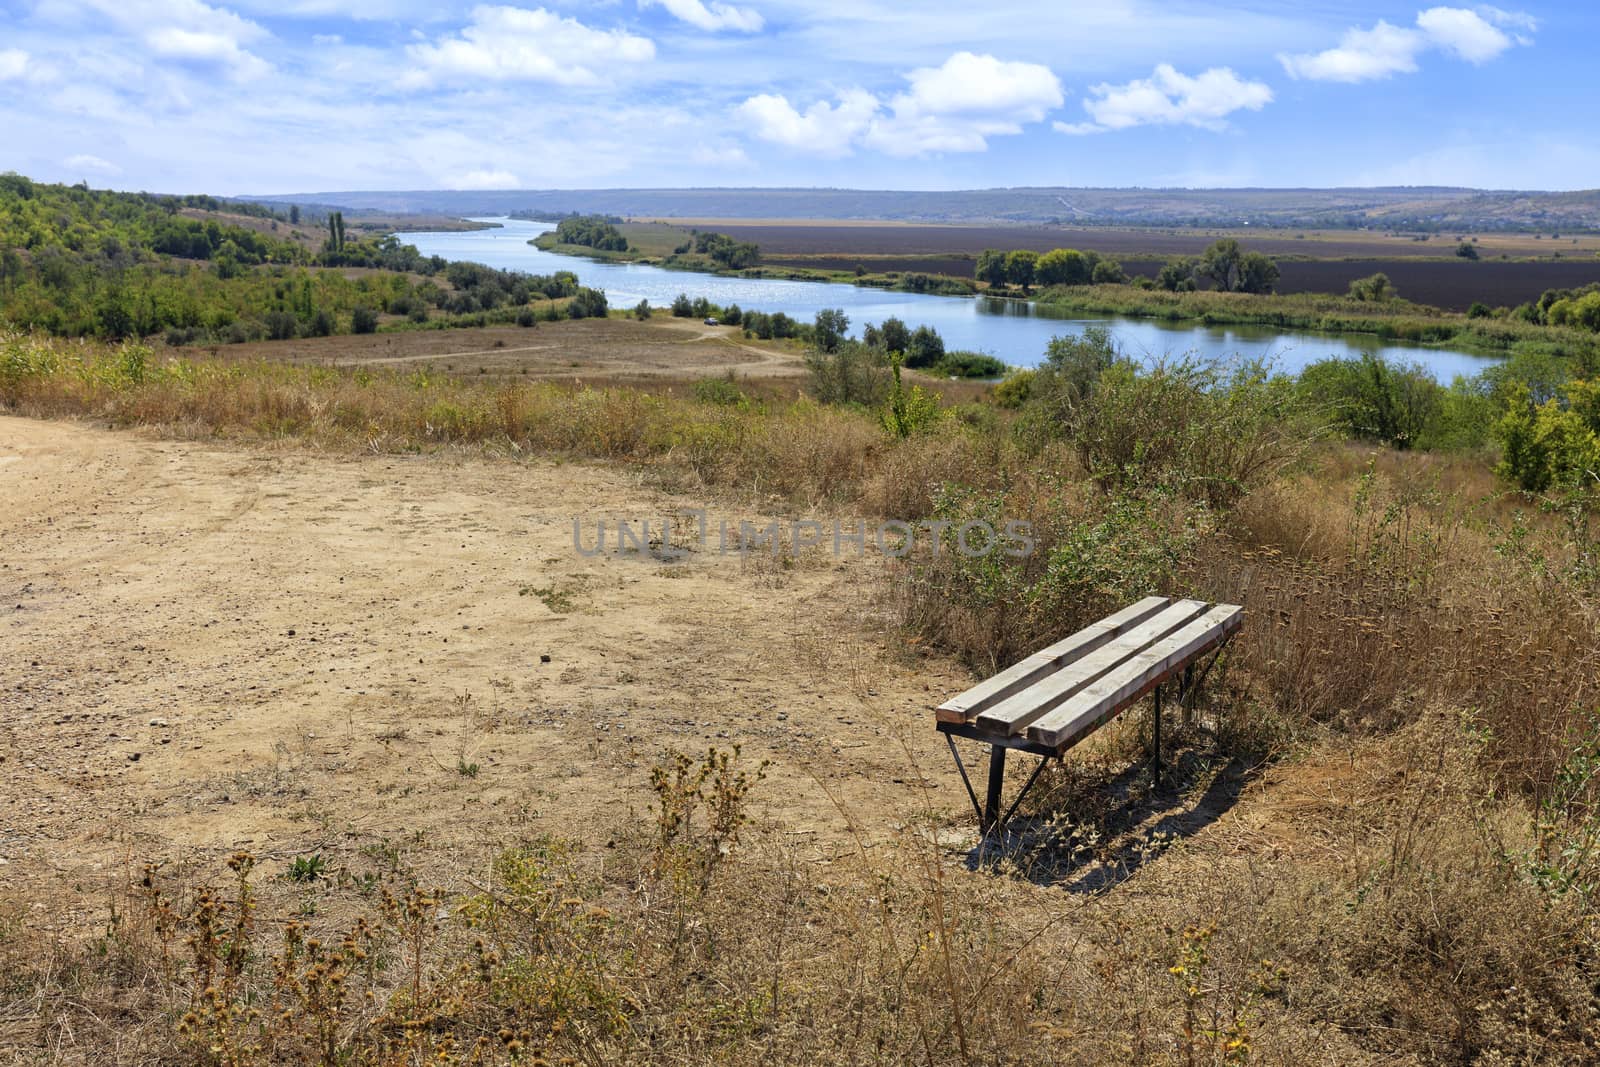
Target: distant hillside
[1423, 208]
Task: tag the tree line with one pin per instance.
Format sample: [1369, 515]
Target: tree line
[1223, 266]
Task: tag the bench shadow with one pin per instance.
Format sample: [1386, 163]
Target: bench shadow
[1134, 824]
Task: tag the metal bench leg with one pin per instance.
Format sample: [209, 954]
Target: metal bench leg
[997, 779]
[1155, 746]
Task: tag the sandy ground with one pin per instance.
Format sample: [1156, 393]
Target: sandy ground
[209, 648]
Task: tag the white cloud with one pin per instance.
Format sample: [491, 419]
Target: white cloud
[173, 43]
[1169, 98]
[13, 63]
[483, 179]
[823, 128]
[87, 162]
[1476, 36]
[186, 30]
[1466, 33]
[711, 16]
[517, 44]
[954, 107]
[973, 84]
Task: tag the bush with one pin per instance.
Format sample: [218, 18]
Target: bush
[1015, 389]
[909, 411]
[527, 317]
[587, 303]
[719, 391]
[363, 320]
[641, 311]
[1374, 288]
[969, 365]
[1373, 399]
[850, 374]
[282, 325]
[1552, 443]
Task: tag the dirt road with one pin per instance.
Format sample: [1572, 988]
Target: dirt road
[210, 648]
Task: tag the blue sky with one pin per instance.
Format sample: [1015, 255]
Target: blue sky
[265, 96]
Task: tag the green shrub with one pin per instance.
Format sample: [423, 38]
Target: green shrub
[909, 411]
[1373, 399]
[851, 374]
[719, 391]
[1552, 443]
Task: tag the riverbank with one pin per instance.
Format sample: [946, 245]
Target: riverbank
[1389, 320]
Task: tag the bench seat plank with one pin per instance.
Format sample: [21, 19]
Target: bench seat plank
[1118, 688]
[1020, 675]
[1015, 713]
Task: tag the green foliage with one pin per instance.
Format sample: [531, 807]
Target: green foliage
[1015, 390]
[909, 411]
[591, 231]
[1199, 431]
[924, 347]
[1374, 288]
[724, 250]
[720, 391]
[1467, 250]
[991, 267]
[829, 329]
[641, 311]
[78, 262]
[1373, 399]
[1233, 270]
[1582, 311]
[306, 868]
[1109, 272]
[587, 303]
[892, 336]
[850, 374]
[1556, 443]
[1064, 266]
[969, 365]
[1177, 275]
[1082, 559]
[1020, 267]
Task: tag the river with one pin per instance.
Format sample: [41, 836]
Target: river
[1014, 331]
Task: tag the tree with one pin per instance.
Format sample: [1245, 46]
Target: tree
[991, 267]
[1109, 272]
[1467, 250]
[294, 214]
[894, 336]
[1020, 266]
[1374, 288]
[682, 306]
[363, 320]
[829, 329]
[1233, 270]
[641, 311]
[924, 348]
[1257, 273]
[587, 303]
[1062, 266]
[1177, 275]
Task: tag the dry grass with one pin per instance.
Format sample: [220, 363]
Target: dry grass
[1410, 880]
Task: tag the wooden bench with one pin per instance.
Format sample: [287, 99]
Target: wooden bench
[1058, 696]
